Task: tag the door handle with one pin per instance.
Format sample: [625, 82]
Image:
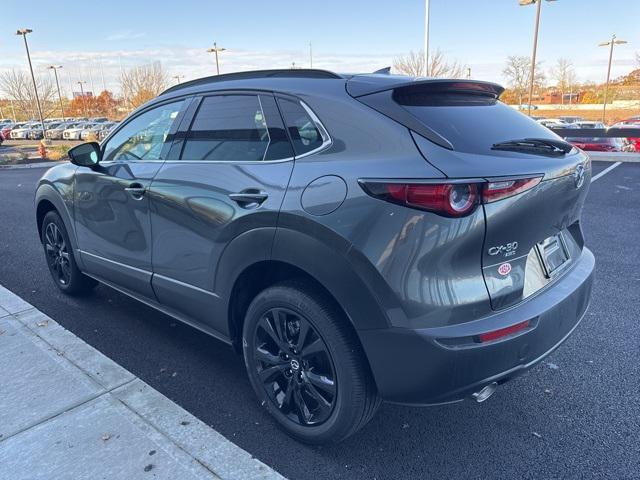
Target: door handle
[249, 198]
[136, 190]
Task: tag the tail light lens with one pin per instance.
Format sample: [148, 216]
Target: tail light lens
[447, 199]
[499, 189]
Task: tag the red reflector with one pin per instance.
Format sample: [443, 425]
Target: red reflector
[499, 189]
[503, 332]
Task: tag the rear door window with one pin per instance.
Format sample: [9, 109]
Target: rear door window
[228, 128]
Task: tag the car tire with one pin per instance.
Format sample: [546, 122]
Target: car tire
[331, 394]
[60, 259]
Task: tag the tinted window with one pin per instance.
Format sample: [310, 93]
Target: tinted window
[279, 147]
[471, 123]
[228, 128]
[302, 129]
[143, 137]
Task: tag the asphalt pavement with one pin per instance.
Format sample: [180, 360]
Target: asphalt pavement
[577, 415]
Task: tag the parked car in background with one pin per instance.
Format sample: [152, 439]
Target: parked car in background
[74, 132]
[36, 133]
[56, 133]
[597, 144]
[589, 124]
[22, 133]
[5, 130]
[99, 119]
[635, 140]
[109, 126]
[426, 267]
[570, 119]
[553, 123]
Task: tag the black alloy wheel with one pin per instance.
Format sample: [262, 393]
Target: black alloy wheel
[57, 253]
[295, 366]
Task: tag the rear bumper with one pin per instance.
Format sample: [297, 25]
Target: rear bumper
[427, 366]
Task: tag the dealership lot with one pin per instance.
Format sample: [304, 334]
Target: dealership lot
[576, 415]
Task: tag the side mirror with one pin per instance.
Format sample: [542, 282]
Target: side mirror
[85, 155]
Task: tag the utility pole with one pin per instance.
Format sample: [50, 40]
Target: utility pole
[13, 111]
[310, 56]
[468, 72]
[610, 44]
[178, 77]
[24, 32]
[84, 103]
[215, 50]
[55, 71]
[426, 38]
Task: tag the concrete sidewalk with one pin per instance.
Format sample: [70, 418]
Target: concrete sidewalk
[68, 412]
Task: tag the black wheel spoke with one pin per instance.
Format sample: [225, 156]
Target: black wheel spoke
[304, 415]
[302, 336]
[264, 356]
[323, 403]
[288, 395]
[269, 374]
[322, 382]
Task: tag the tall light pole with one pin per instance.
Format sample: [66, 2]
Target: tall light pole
[310, 56]
[24, 32]
[55, 72]
[178, 77]
[84, 103]
[610, 44]
[215, 50]
[426, 38]
[535, 46]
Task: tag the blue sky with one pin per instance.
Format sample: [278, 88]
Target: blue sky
[346, 35]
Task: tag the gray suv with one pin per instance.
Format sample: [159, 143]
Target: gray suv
[357, 238]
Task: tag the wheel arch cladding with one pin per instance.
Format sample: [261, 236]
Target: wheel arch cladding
[48, 199]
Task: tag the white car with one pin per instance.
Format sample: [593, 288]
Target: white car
[74, 133]
[23, 132]
[553, 123]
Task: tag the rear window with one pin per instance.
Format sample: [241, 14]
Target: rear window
[472, 123]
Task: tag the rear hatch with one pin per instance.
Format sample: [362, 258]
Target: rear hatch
[532, 234]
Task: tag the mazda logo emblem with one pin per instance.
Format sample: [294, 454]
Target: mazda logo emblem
[295, 365]
[578, 176]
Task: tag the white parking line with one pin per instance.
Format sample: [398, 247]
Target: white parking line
[605, 171]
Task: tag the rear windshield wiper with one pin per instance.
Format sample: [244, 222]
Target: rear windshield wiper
[544, 146]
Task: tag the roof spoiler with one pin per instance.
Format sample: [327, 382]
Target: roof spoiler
[357, 86]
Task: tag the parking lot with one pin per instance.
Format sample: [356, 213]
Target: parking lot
[576, 415]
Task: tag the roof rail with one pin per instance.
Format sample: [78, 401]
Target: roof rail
[281, 73]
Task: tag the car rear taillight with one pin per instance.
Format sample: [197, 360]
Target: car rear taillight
[449, 199]
[498, 189]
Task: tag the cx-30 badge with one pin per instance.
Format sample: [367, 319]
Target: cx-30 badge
[578, 175]
[508, 249]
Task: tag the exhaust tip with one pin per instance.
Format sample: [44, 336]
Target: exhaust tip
[485, 392]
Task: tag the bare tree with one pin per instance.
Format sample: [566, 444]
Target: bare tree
[18, 87]
[564, 75]
[141, 84]
[413, 64]
[518, 71]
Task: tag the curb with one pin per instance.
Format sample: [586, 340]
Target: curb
[50, 163]
[28, 449]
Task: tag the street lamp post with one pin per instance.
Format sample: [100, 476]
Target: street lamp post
[426, 38]
[535, 46]
[215, 50]
[24, 32]
[55, 71]
[84, 103]
[310, 56]
[178, 77]
[610, 44]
